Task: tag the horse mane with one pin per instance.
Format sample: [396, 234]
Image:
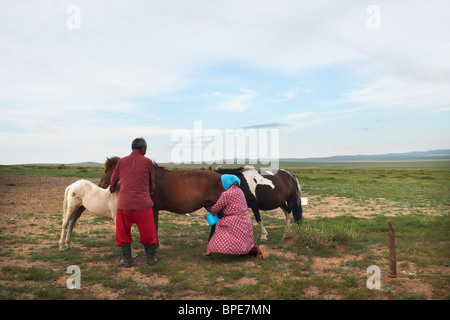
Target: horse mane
[230, 171]
[112, 162]
[157, 166]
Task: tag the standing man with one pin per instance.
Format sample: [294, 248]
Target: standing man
[137, 176]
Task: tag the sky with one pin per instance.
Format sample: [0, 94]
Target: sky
[79, 80]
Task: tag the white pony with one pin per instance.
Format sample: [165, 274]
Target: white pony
[82, 195]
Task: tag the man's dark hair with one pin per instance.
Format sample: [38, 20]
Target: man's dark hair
[138, 143]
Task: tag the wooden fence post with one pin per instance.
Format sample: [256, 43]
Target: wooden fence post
[392, 258]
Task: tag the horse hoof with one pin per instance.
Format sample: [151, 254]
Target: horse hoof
[263, 239]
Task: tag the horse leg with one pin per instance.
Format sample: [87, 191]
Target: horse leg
[259, 221]
[263, 231]
[76, 214]
[288, 221]
[65, 223]
[288, 217]
[65, 218]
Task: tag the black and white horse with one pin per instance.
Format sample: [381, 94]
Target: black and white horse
[268, 191]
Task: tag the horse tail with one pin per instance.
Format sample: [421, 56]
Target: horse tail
[66, 200]
[297, 210]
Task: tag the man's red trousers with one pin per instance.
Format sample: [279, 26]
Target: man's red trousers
[144, 221]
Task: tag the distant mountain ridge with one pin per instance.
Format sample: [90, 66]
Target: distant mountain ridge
[442, 154]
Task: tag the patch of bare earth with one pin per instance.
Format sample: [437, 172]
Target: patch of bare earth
[336, 206]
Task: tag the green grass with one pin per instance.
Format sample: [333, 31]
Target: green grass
[416, 188]
[32, 273]
[324, 233]
[422, 241]
[53, 170]
[182, 272]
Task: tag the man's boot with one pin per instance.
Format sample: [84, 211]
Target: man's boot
[150, 251]
[126, 252]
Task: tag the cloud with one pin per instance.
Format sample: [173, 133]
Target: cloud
[300, 115]
[155, 48]
[237, 102]
[129, 60]
[77, 143]
[283, 97]
[402, 66]
[264, 125]
[402, 94]
[295, 121]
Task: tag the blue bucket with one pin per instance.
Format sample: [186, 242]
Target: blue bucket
[212, 219]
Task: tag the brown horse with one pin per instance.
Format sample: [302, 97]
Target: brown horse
[181, 191]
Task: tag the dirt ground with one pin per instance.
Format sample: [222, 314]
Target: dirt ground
[28, 199]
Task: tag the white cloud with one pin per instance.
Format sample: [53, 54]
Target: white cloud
[57, 83]
[135, 48]
[283, 97]
[404, 65]
[238, 102]
[401, 94]
[296, 116]
[78, 143]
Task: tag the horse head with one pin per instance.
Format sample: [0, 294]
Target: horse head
[108, 167]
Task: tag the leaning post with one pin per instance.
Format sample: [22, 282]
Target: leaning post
[392, 258]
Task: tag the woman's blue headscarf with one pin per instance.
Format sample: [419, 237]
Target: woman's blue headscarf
[229, 179]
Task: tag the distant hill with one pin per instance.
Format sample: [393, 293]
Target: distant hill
[86, 164]
[443, 154]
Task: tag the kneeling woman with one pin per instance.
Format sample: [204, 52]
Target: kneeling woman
[234, 232]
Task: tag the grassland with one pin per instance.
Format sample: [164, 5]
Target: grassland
[326, 257]
[53, 170]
